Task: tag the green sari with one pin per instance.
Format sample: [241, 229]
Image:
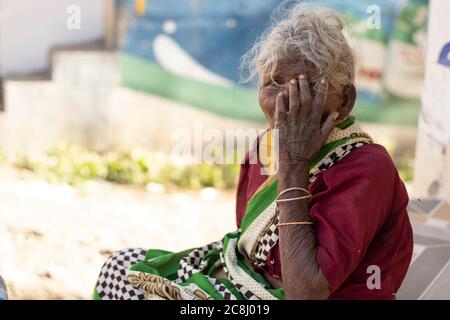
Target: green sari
[222, 270]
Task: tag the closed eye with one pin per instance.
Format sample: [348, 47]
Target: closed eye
[274, 82]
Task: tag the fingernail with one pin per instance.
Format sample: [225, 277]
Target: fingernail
[280, 94]
[293, 81]
[302, 76]
[322, 81]
[336, 115]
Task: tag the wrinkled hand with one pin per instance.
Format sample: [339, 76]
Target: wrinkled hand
[301, 132]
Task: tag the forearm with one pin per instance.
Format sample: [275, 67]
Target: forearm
[302, 277]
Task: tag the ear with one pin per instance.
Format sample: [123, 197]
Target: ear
[348, 101]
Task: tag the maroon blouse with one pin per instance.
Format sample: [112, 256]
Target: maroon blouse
[359, 212]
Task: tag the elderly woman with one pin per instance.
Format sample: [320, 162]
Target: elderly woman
[331, 223]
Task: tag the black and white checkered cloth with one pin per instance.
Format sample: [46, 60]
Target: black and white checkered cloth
[246, 293]
[112, 283]
[222, 289]
[194, 263]
[266, 243]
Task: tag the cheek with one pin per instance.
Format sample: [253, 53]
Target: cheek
[329, 108]
[331, 105]
[267, 98]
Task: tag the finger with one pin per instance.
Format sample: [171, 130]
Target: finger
[328, 125]
[285, 92]
[280, 110]
[318, 105]
[305, 95]
[294, 99]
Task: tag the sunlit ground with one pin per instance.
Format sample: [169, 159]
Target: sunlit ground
[54, 237]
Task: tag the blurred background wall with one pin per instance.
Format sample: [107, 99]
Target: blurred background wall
[111, 75]
[133, 61]
[30, 29]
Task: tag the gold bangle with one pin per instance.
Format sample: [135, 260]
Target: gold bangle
[294, 223]
[308, 195]
[292, 199]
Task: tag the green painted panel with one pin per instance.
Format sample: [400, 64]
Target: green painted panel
[232, 102]
[241, 103]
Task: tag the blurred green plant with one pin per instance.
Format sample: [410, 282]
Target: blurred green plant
[74, 164]
[403, 159]
[405, 166]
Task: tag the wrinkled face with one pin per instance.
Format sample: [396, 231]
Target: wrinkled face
[286, 71]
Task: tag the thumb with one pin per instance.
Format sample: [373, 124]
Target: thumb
[329, 123]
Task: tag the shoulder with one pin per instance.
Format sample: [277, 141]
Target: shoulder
[366, 178]
[368, 160]
[369, 166]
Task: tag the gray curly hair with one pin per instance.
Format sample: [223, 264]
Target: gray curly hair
[311, 34]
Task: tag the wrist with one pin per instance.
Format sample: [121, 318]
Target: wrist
[291, 177]
[300, 162]
[291, 167]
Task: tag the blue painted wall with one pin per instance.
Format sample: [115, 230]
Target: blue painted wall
[217, 33]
